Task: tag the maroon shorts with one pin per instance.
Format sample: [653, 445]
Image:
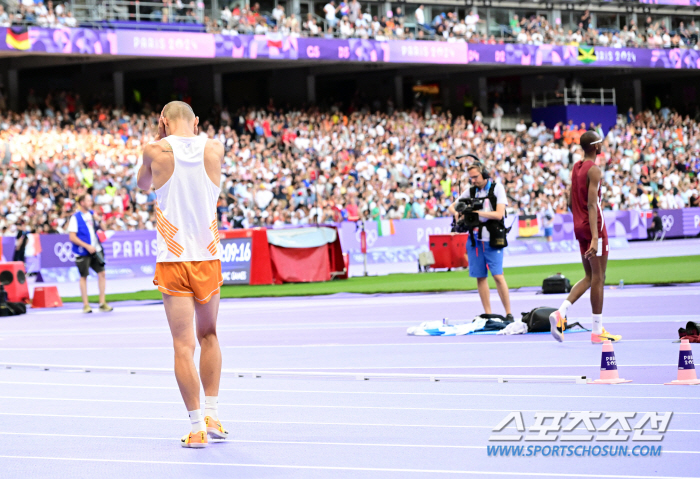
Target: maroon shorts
[603, 247]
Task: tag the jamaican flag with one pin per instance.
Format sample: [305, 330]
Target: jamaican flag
[17, 38]
[586, 54]
[527, 225]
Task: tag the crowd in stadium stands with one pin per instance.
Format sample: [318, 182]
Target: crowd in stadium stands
[299, 167]
[351, 19]
[47, 14]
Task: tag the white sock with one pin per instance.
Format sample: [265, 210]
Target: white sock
[564, 307]
[211, 407]
[197, 421]
[597, 323]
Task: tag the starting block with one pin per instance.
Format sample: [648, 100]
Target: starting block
[46, 297]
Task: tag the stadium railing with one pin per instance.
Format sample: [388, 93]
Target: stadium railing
[574, 96]
[135, 11]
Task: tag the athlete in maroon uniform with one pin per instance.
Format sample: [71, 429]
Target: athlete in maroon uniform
[590, 231]
[580, 197]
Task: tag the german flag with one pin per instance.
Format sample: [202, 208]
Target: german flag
[17, 38]
[528, 226]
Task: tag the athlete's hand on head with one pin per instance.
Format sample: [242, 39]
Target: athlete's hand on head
[592, 250]
[161, 128]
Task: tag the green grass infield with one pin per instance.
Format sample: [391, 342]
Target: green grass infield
[676, 269]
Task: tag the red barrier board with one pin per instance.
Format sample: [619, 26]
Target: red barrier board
[449, 251]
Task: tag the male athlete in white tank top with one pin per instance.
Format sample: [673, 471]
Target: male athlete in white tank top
[185, 171]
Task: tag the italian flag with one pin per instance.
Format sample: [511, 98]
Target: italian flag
[385, 227]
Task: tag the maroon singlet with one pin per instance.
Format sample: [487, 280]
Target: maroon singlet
[579, 203]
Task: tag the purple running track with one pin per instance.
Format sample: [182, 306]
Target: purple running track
[68, 423]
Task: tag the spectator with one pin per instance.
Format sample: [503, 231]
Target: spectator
[471, 21]
[497, 116]
[693, 33]
[4, 17]
[330, 11]
[656, 226]
[278, 14]
[420, 15]
[585, 19]
[515, 26]
[355, 11]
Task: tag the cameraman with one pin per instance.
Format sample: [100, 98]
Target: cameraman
[88, 251]
[480, 252]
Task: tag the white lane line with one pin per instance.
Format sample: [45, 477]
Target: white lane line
[310, 406]
[252, 441]
[358, 369]
[305, 423]
[510, 345]
[472, 366]
[339, 468]
[243, 421]
[220, 329]
[388, 393]
[224, 326]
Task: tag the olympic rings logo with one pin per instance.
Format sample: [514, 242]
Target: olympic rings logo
[667, 222]
[64, 251]
[371, 237]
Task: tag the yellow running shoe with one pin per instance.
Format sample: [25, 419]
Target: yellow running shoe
[106, 308]
[214, 428]
[87, 309]
[605, 336]
[194, 439]
[557, 324]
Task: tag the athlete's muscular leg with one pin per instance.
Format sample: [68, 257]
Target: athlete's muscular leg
[210, 356]
[598, 266]
[583, 285]
[180, 312]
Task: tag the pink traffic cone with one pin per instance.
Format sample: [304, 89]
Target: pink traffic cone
[686, 366]
[608, 367]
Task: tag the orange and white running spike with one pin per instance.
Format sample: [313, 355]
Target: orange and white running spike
[214, 428]
[194, 439]
[605, 336]
[557, 324]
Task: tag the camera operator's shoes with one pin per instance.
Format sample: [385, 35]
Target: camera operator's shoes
[87, 309]
[195, 439]
[106, 308]
[557, 324]
[214, 428]
[509, 317]
[605, 336]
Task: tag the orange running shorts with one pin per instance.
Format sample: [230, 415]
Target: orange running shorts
[198, 279]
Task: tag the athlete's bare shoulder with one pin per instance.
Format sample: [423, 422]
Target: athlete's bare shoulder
[594, 172]
[214, 151]
[214, 147]
[157, 148]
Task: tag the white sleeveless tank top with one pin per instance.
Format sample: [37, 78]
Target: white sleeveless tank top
[186, 207]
